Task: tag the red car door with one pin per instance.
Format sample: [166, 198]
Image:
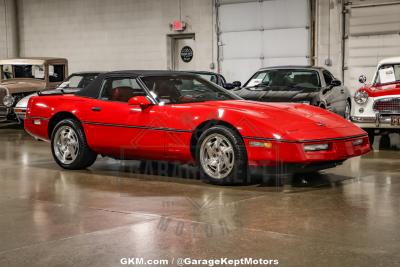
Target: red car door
[115, 128]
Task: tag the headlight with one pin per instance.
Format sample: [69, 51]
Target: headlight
[8, 101]
[316, 147]
[361, 97]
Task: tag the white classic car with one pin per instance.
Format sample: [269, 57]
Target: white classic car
[377, 105]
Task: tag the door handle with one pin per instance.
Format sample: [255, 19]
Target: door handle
[96, 108]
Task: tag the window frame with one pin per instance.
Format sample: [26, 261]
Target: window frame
[157, 101]
[330, 74]
[120, 78]
[64, 69]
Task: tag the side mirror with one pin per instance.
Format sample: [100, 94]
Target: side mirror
[141, 101]
[362, 79]
[335, 83]
[237, 84]
[229, 86]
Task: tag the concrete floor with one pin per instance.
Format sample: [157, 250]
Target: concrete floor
[347, 216]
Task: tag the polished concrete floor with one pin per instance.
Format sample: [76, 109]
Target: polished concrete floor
[347, 216]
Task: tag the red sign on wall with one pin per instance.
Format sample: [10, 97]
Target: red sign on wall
[178, 25]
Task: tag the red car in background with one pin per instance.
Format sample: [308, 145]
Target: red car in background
[176, 116]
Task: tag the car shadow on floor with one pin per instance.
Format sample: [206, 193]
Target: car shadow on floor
[10, 125]
[166, 172]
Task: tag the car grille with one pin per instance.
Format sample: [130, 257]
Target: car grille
[3, 109]
[387, 105]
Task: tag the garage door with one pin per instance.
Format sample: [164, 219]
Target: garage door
[255, 34]
[373, 32]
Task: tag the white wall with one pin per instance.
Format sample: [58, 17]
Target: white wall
[110, 35]
[328, 44]
[8, 29]
[361, 53]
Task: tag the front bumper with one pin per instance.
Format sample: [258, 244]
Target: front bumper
[293, 152]
[379, 121]
[20, 113]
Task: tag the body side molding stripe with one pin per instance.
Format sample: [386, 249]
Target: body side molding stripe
[305, 141]
[137, 127]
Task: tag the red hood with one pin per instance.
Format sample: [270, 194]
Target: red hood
[292, 115]
[291, 120]
[382, 89]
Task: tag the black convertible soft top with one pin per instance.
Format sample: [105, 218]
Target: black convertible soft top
[92, 90]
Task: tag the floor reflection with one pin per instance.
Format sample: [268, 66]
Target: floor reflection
[347, 216]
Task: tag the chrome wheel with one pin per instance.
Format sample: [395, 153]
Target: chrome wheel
[347, 111]
[217, 156]
[66, 145]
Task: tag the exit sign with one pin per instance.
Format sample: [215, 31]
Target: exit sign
[178, 25]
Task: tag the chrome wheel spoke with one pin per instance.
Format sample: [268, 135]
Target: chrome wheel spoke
[219, 168]
[65, 155]
[209, 150]
[71, 149]
[217, 156]
[66, 145]
[212, 162]
[226, 160]
[217, 142]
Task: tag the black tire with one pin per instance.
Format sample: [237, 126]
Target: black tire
[85, 157]
[371, 136]
[238, 174]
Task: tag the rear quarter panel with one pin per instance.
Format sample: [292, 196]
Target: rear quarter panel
[41, 109]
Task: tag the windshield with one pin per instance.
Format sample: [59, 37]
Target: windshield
[388, 74]
[185, 89]
[22, 71]
[78, 81]
[285, 78]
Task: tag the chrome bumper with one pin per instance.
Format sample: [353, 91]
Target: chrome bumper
[20, 113]
[379, 121]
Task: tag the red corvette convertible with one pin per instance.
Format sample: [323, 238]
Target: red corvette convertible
[176, 116]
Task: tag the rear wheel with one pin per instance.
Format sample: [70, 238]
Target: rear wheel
[69, 147]
[221, 156]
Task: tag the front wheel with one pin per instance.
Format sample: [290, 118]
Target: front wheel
[221, 156]
[69, 147]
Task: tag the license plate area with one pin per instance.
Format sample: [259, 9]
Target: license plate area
[395, 120]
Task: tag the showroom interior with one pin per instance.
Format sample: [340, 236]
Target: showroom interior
[207, 133]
